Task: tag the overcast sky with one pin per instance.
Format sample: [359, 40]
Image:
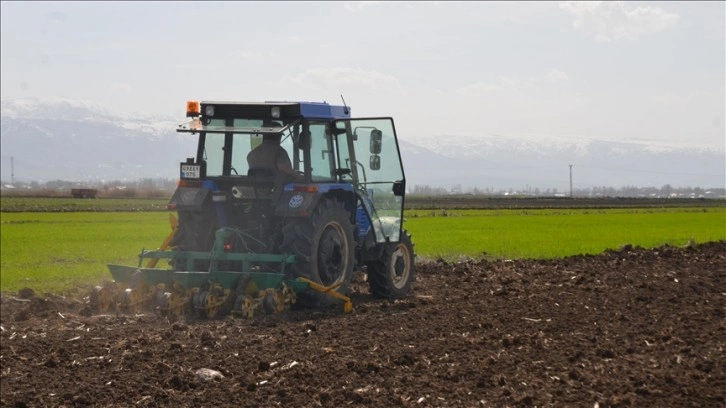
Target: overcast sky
[650, 71]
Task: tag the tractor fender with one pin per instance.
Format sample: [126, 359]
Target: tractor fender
[301, 200]
[296, 203]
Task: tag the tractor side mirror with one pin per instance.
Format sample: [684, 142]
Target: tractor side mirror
[375, 163]
[334, 130]
[376, 141]
[399, 188]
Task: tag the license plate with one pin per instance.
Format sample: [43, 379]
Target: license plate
[190, 171]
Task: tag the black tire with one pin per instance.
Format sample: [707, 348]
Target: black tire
[324, 247]
[393, 275]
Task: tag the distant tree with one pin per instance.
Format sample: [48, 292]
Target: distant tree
[666, 190]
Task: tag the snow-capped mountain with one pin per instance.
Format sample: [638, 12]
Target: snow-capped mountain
[58, 138]
[56, 108]
[64, 109]
[501, 163]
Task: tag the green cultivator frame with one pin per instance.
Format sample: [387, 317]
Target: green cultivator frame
[213, 293]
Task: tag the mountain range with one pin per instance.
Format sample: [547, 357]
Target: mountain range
[65, 139]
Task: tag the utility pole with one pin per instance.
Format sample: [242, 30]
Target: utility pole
[12, 171]
[570, 181]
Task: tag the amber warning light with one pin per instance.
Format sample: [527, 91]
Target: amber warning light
[193, 109]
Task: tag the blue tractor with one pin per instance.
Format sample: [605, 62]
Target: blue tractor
[252, 237]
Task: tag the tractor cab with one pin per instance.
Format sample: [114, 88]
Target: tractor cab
[328, 153]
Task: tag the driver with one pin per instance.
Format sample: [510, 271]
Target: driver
[271, 156]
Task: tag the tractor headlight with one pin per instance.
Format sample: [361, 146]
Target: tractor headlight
[209, 110]
[275, 112]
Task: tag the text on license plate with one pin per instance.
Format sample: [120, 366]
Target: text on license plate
[190, 171]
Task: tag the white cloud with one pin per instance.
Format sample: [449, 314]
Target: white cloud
[556, 76]
[344, 79]
[119, 87]
[355, 6]
[56, 16]
[249, 56]
[667, 99]
[612, 21]
[503, 84]
[296, 40]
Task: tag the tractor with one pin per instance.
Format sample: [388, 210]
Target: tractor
[249, 237]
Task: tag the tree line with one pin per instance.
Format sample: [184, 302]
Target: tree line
[141, 188]
[159, 188]
[664, 191]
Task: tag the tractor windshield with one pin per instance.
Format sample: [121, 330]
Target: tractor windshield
[225, 146]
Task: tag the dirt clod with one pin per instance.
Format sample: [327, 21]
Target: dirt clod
[26, 293]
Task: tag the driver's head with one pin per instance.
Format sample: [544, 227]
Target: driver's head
[272, 137]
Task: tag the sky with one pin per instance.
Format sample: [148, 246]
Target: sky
[616, 71]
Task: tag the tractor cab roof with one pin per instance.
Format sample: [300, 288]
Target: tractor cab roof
[268, 112]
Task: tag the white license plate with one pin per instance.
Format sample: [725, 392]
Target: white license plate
[190, 171]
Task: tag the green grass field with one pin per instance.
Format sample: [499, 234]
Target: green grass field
[56, 251]
[62, 250]
[67, 204]
[558, 233]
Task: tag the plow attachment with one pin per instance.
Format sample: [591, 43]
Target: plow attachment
[244, 291]
[241, 284]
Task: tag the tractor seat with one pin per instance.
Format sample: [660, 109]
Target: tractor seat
[260, 172]
[274, 189]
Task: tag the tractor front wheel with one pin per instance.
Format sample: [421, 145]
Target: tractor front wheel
[392, 276]
[324, 247]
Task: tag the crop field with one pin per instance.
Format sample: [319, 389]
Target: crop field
[60, 204]
[57, 245]
[538, 234]
[432, 203]
[525, 306]
[59, 251]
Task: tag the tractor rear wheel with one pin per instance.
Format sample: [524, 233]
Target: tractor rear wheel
[324, 247]
[392, 276]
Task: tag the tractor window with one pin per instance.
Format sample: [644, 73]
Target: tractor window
[321, 153]
[241, 145]
[244, 143]
[345, 161]
[287, 143]
[214, 150]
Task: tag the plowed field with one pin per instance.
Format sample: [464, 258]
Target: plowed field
[632, 327]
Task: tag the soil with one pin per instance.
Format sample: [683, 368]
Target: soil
[632, 327]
